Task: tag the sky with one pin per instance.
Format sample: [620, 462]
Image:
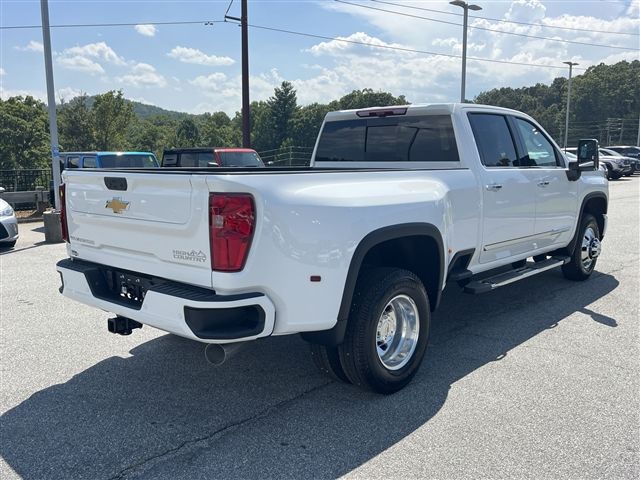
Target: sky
[196, 68]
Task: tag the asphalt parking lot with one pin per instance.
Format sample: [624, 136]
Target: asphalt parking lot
[539, 379]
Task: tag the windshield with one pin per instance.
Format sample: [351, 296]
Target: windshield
[128, 161]
[240, 159]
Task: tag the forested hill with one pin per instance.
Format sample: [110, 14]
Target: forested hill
[605, 103]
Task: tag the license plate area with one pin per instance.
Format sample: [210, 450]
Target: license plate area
[127, 287]
[120, 286]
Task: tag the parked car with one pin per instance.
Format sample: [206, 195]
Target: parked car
[616, 167]
[353, 252]
[627, 151]
[8, 225]
[211, 157]
[633, 162]
[601, 167]
[70, 160]
[107, 160]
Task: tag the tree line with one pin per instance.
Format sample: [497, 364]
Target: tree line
[603, 99]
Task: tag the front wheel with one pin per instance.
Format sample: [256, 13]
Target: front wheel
[388, 330]
[586, 251]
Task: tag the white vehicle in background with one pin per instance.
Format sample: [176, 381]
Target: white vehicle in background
[352, 252]
[8, 224]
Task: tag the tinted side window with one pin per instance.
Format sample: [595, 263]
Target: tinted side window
[89, 162]
[188, 159]
[169, 159]
[207, 159]
[494, 140]
[342, 141]
[427, 138]
[73, 162]
[540, 151]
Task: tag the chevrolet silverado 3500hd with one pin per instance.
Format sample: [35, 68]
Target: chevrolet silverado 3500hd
[352, 252]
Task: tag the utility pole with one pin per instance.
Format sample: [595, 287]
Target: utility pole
[638, 140]
[566, 122]
[51, 100]
[466, 7]
[244, 27]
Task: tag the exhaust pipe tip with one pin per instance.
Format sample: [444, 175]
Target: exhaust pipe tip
[217, 354]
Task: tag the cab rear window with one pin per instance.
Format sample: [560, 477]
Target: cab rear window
[128, 161]
[427, 138]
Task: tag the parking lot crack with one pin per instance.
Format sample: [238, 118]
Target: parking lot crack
[216, 433]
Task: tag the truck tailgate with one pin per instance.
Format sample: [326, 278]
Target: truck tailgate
[155, 224]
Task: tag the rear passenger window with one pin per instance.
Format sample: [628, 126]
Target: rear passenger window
[493, 139]
[426, 138]
[89, 162]
[73, 162]
[540, 150]
[188, 159]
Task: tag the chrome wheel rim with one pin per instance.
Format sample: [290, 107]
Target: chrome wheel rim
[397, 332]
[590, 248]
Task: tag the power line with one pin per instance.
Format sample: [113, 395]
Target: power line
[128, 24]
[403, 49]
[487, 29]
[508, 21]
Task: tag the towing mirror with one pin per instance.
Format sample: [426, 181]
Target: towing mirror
[588, 156]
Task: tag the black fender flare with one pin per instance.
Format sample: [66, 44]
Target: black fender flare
[585, 200]
[335, 335]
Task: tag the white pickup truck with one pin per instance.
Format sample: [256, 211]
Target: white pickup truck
[352, 252]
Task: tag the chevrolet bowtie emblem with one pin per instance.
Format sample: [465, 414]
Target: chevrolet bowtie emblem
[117, 205]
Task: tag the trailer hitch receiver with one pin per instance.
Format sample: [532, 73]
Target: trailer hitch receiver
[122, 325]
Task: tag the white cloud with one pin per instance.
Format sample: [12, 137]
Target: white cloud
[3, 72]
[143, 75]
[85, 58]
[81, 64]
[195, 56]
[98, 50]
[414, 74]
[67, 93]
[32, 46]
[6, 93]
[146, 30]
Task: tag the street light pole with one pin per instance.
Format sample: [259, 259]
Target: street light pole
[466, 7]
[51, 100]
[566, 121]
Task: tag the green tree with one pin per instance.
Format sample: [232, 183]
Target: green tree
[367, 98]
[24, 134]
[75, 125]
[111, 114]
[306, 124]
[282, 106]
[188, 134]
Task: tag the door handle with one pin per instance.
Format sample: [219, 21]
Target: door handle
[493, 187]
[543, 183]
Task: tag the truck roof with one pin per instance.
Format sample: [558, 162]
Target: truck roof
[425, 108]
[208, 149]
[105, 153]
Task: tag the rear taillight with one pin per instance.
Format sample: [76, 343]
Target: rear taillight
[231, 226]
[63, 214]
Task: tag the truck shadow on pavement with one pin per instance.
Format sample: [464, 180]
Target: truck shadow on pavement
[163, 412]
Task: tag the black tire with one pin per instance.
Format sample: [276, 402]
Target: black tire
[358, 352]
[8, 245]
[614, 176]
[575, 269]
[327, 359]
